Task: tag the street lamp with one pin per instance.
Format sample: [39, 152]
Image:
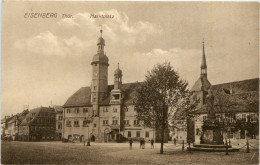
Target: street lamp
[88, 122]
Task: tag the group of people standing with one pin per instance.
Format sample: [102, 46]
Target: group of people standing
[142, 143]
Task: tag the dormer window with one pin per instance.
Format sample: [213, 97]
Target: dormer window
[116, 96]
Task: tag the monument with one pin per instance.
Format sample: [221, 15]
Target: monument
[212, 129]
[211, 139]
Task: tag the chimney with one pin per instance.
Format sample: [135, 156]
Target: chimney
[230, 89]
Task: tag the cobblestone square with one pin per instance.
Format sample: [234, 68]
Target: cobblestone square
[115, 153]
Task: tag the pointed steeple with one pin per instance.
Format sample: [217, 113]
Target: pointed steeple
[203, 66]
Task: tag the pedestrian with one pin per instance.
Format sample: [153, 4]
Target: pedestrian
[174, 140]
[130, 142]
[141, 143]
[152, 141]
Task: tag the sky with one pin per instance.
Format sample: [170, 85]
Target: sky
[45, 60]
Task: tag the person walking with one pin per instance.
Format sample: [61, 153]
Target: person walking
[141, 143]
[152, 142]
[174, 140]
[130, 142]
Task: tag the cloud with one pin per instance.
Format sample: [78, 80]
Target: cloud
[185, 61]
[74, 36]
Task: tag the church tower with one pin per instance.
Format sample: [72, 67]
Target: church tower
[202, 85]
[99, 81]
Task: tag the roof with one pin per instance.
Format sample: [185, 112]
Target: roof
[58, 108]
[231, 97]
[118, 71]
[101, 41]
[100, 58]
[203, 62]
[29, 117]
[128, 92]
[202, 81]
[242, 102]
[82, 97]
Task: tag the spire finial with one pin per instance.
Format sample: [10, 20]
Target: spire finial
[101, 31]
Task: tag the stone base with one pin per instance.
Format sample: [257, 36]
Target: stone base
[212, 148]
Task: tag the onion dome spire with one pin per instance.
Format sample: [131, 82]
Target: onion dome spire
[101, 42]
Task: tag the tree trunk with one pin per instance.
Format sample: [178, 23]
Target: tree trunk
[162, 139]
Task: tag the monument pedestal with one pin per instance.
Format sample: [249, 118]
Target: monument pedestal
[212, 139]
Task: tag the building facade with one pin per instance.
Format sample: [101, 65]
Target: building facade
[103, 112]
[59, 121]
[38, 125]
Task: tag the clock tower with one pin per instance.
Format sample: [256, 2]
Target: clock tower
[99, 81]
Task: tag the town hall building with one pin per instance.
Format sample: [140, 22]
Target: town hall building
[103, 112]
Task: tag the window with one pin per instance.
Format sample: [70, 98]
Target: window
[85, 110]
[253, 117]
[76, 110]
[76, 123]
[129, 133]
[94, 99]
[105, 109]
[114, 109]
[116, 97]
[242, 134]
[95, 87]
[243, 118]
[60, 117]
[137, 133]
[126, 122]
[95, 124]
[68, 110]
[68, 123]
[253, 136]
[85, 123]
[147, 134]
[59, 126]
[136, 122]
[126, 108]
[204, 118]
[230, 117]
[114, 122]
[105, 122]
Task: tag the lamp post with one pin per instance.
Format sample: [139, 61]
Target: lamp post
[88, 122]
[88, 144]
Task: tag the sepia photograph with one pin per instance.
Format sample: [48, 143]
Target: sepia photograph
[129, 82]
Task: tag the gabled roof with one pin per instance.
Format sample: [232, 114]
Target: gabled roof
[80, 98]
[83, 95]
[202, 81]
[237, 86]
[58, 108]
[238, 96]
[30, 118]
